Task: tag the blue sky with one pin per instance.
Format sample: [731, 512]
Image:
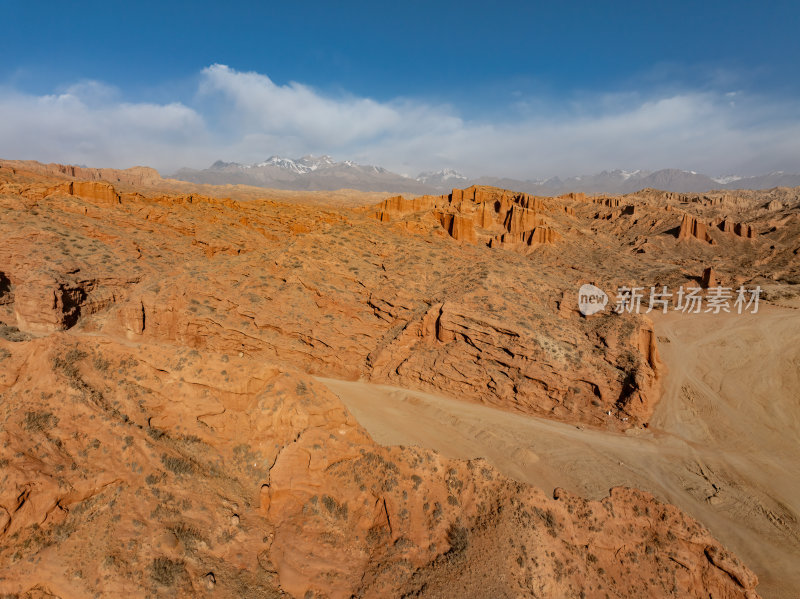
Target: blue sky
[522, 89]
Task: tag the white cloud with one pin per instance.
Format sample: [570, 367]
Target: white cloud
[83, 126]
[246, 117]
[296, 110]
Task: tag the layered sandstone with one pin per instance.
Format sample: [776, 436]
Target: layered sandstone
[137, 176]
[160, 434]
[90, 190]
[537, 236]
[135, 470]
[710, 278]
[739, 229]
[497, 218]
[692, 228]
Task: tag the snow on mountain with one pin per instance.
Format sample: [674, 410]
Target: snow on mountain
[628, 174]
[322, 172]
[308, 172]
[727, 179]
[301, 166]
[441, 176]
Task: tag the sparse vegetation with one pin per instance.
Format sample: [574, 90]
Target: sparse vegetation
[178, 465]
[334, 508]
[13, 334]
[39, 421]
[458, 538]
[165, 571]
[188, 535]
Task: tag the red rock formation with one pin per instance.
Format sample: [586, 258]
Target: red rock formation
[398, 205]
[709, 278]
[615, 214]
[580, 196]
[486, 208]
[609, 202]
[90, 190]
[519, 219]
[738, 229]
[43, 305]
[502, 198]
[532, 203]
[137, 176]
[205, 472]
[485, 215]
[167, 446]
[458, 226]
[204, 254]
[774, 205]
[537, 236]
[691, 228]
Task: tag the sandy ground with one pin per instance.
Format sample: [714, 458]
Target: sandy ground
[723, 445]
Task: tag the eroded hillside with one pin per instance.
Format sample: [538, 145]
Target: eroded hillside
[160, 433]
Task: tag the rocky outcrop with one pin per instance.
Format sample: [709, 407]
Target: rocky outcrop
[454, 349]
[739, 229]
[709, 278]
[774, 205]
[167, 444]
[458, 226]
[609, 202]
[6, 294]
[136, 176]
[399, 205]
[537, 236]
[144, 484]
[485, 215]
[483, 193]
[89, 190]
[174, 277]
[341, 532]
[576, 196]
[519, 219]
[692, 228]
[480, 213]
[616, 213]
[45, 305]
[203, 473]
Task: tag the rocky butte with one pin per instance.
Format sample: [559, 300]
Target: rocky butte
[163, 431]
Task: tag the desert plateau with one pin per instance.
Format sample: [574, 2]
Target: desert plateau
[433, 300]
[239, 397]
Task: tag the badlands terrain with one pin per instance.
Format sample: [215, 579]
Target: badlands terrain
[224, 391]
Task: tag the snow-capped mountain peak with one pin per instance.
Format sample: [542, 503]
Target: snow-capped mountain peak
[727, 179]
[305, 173]
[314, 162]
[628, 174]
[440, 176]
[301, 166]
[323, 172]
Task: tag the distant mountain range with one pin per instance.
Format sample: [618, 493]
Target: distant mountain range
[619, 181]
[308, 173]
[444, 179]
[322, 173]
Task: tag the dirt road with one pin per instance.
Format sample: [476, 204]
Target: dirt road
[723, 444]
